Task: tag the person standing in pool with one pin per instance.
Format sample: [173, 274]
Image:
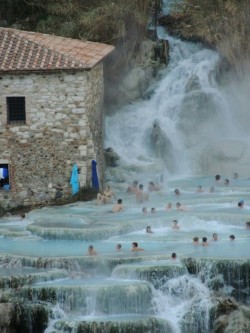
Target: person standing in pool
[141, 195]
[91, 251]
[118, 207]
[199, 189]
[175, 225]
[133, 188]
[204, 241]
[196, 241]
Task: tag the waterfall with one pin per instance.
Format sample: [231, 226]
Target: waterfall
[189, 123]
[185, 302]
[128, 131]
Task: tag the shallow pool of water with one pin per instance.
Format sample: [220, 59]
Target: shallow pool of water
[54, 231]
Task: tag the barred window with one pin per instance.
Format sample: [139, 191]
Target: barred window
[16, 110]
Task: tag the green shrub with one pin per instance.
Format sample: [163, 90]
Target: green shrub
[221, 23]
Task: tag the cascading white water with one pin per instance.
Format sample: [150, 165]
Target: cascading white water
[190, 125]
[195, 120]
[185, 302]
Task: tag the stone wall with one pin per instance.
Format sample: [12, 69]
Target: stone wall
[63, 126]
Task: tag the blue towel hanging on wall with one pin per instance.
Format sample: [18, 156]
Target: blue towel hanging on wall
[74, 179]
[95, 182]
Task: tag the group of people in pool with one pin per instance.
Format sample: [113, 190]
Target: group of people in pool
[175, 226]
[205, 242]
[107, 195]
[135, 248]
[135, 187]
[142, 196]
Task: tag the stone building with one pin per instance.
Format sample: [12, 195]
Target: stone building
[51, 114]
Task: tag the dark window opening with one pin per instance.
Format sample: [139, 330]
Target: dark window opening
[16, 110]
[4, 176]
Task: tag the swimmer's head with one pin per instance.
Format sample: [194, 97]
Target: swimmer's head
[241, 203]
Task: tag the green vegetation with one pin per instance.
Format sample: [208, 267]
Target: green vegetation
[122, 23]
[117, 22]
[221, 23]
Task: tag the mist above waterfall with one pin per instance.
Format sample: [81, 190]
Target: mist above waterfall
[237, 94]
[201, 125]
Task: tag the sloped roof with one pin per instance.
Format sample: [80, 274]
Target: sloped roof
[32, 51]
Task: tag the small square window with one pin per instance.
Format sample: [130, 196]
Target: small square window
[16, 110]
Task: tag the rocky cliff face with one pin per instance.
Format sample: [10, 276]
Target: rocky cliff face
[133, 80]
[217, 24]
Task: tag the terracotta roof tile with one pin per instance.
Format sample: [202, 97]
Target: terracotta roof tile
[26, 50]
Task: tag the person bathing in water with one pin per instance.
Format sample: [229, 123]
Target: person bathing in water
[141, 195]
[91, 251]
[118, 207]
[136, 248]
[133, 188]
[169, 206]
[199, 189]
[241, 204]
[177, 192]
[118, 247]
[149, 230]
[181, 207]
[204, 241]
[196, 241]
[174, 256]
[215, 237]
[153, 187]
[106, 196]
[175, 225]
[248, 225]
